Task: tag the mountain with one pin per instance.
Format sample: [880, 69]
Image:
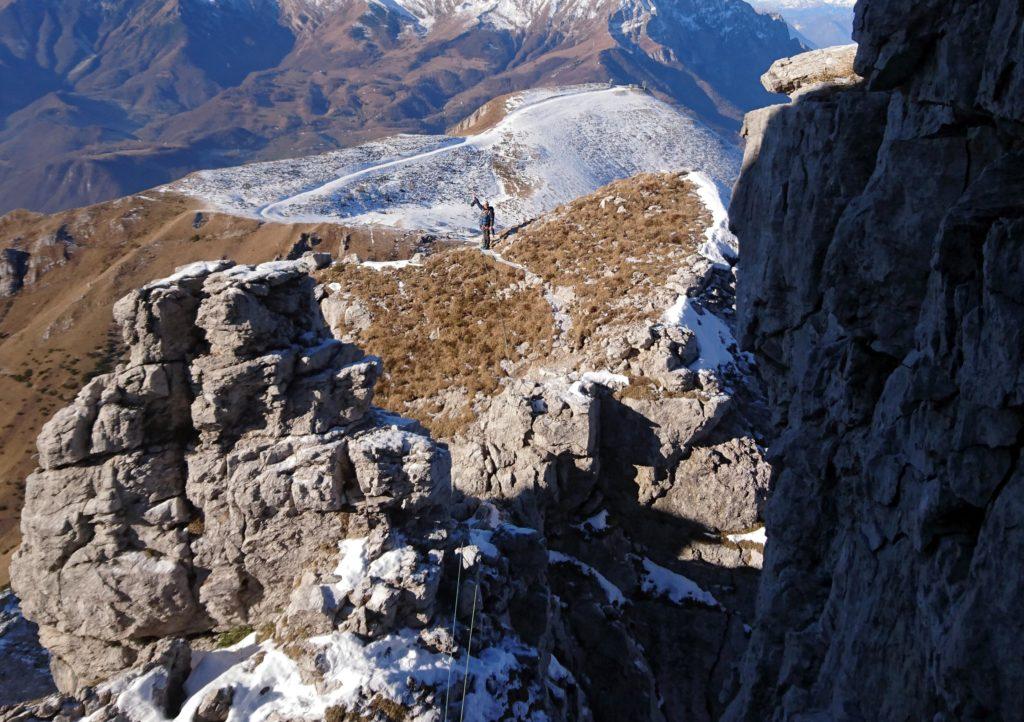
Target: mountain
[244, 521]
[526, 153]
[104, 99]
[822, 22]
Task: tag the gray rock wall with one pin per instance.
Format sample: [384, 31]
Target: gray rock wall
[882, 228]
[187, 490]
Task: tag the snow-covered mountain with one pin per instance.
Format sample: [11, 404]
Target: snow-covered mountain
[821, 22]
[544, 148]
[103, 99]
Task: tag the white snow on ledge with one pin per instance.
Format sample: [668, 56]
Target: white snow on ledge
[758, 536]
[268, 686]
[720, 246]
[612, 592]
[713, 335]
[381, 265]
[663, 582]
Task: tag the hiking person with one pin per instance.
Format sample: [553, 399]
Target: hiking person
[486, 221]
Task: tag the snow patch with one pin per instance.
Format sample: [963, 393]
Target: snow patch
[713, 335]
[757, 536]
[720, 246]
[612, 592]
[663, 582]
[596, 523]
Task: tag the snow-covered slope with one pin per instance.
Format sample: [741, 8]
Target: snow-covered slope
[551, 146]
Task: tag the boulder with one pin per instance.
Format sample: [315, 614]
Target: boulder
[815, 69]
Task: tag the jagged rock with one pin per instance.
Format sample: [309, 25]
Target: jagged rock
[230, 413]
[722, 487]
[231, 476]
[13, 267]
[828, 66]
[399, 469]
[216, 706]
[537, 447]
[881, 293]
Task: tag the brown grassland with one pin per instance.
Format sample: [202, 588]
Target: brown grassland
[446, 326]
[614, 261]
[441, 327]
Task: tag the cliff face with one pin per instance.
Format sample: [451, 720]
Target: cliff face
[882, 227]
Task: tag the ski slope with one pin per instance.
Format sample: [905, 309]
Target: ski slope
[549, 147]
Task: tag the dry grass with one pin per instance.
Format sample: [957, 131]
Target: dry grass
[614, 259]
[233, 636]
[446, 327]
[441, 328]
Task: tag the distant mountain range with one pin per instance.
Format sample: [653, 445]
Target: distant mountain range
[822, 23]
[102, 99]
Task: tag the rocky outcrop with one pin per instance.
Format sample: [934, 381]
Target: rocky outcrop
[882, 228]
[828, 66]
[235, 518]
[24, 264]
[13, 267]
[231, 476]
[160, 484]
[637, 489]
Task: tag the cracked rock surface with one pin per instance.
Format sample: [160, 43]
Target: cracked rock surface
[882, 227]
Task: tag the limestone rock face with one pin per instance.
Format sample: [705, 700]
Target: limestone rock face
[182, 492]
[833, 66]
[232, 477]
[882, 234]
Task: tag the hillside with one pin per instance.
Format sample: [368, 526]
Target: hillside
[530, 152]
[106, 99]
[552, 297]
[257, 526]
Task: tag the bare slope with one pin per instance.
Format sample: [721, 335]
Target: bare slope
[528, 153]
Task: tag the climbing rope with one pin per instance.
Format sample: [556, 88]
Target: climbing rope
[458, 582]
[469, 645]
[455, 616]
[501, 318]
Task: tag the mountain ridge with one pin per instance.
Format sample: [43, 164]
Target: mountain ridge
[114, 98]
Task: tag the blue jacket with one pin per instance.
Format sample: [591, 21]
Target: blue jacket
[487, 217]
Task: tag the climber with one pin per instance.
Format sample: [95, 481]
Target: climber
[486, 222]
